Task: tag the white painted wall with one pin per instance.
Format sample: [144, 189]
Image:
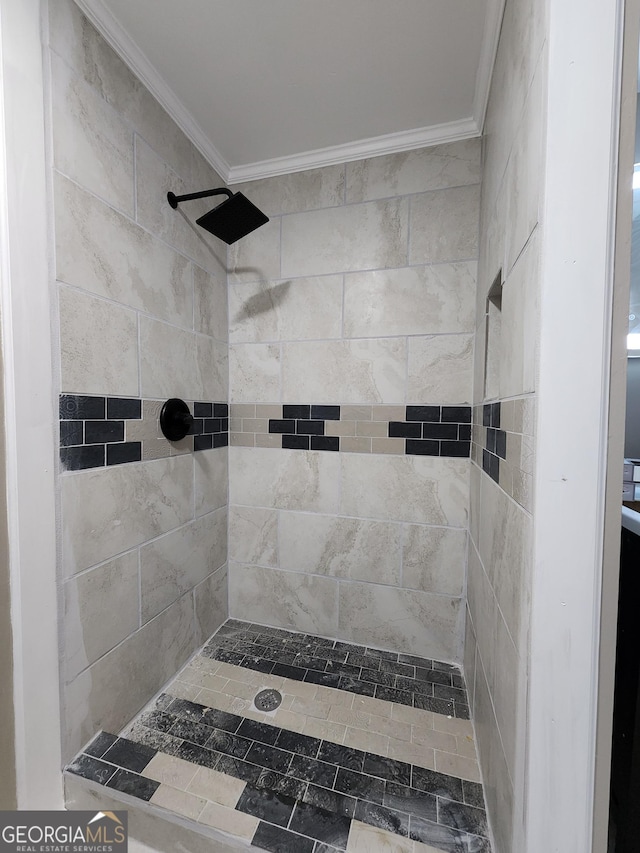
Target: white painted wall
[26, 331]
[572, 429]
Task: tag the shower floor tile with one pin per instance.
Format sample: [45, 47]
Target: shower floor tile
[328, 770]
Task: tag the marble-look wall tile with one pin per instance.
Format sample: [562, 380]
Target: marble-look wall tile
[348, 548]
[469, 660]
[211, 604]
[452, 164]
[107, 511]
[91, 143]
[253, 536]
[76, 41]
[354, 371]
[180, 560]
[357, 237]
[299, 309]
[497, 784]
[520, 324]
[210, 304]
[505, 547]
[100, 250]
[299, 192]
[108, 694]
[254, 372]
[212, 369]
[90, 328]
[257, 256]
[434, 559]
[284, 599]
[426, 490]
[101, 608]
[392, 618]
[457, 215]
[154, 179]
[289, 479]
[523, 171]
[440, 368]
[168, 361]
[436, 299]
[211, 479]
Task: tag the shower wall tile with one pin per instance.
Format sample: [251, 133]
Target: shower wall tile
[288, 479]
[211, 599]
[254, 372]
[284, 599]
[168, 361]
[210, 304]
[519, 324]
[257, 256]
[212, 368]
[111, 691]
[457, 212]
[142, 295]
[180, 560]
[353, 371]
[211, 480]
[299, 309]
[76, 41]
[453, 164]
[505, 547]
[355, 237]
[90, 328]
[297, 193]
[91, 143]
[108, 511]
[100, 250]
[440, 368]
[349, 548]
[434, 559]
[438, 299]
[401, 619]
[154, 179]
[253, 536]
[426, 490]
[101, 608]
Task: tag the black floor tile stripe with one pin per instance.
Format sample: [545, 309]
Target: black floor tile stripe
[403, 679]
[305, 791]
[287, 787]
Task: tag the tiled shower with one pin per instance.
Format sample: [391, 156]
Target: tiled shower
[355, 472]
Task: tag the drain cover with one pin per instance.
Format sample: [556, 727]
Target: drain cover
[267, 700]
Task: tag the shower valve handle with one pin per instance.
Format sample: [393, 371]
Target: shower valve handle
[175, 419]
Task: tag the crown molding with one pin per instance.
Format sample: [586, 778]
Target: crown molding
[489, 49]
[128, 50]
[376, 146]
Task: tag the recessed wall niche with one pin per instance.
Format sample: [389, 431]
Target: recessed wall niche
[493, 320]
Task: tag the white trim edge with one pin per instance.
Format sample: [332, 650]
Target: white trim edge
[376, 146]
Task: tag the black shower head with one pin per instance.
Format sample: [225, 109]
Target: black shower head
[234, 218]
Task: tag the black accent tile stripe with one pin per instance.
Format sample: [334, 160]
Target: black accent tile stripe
[278, 840]
[93, 430]
[405, 679]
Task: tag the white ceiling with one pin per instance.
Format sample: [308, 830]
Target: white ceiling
[266, 87]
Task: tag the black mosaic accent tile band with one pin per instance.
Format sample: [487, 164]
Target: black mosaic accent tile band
[495, 441]
[404, 679]
[428, 430]
[93, 430]
[311, 799]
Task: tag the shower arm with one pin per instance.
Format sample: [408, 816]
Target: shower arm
[174, 200]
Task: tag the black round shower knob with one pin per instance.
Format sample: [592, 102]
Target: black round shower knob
[175, 419]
